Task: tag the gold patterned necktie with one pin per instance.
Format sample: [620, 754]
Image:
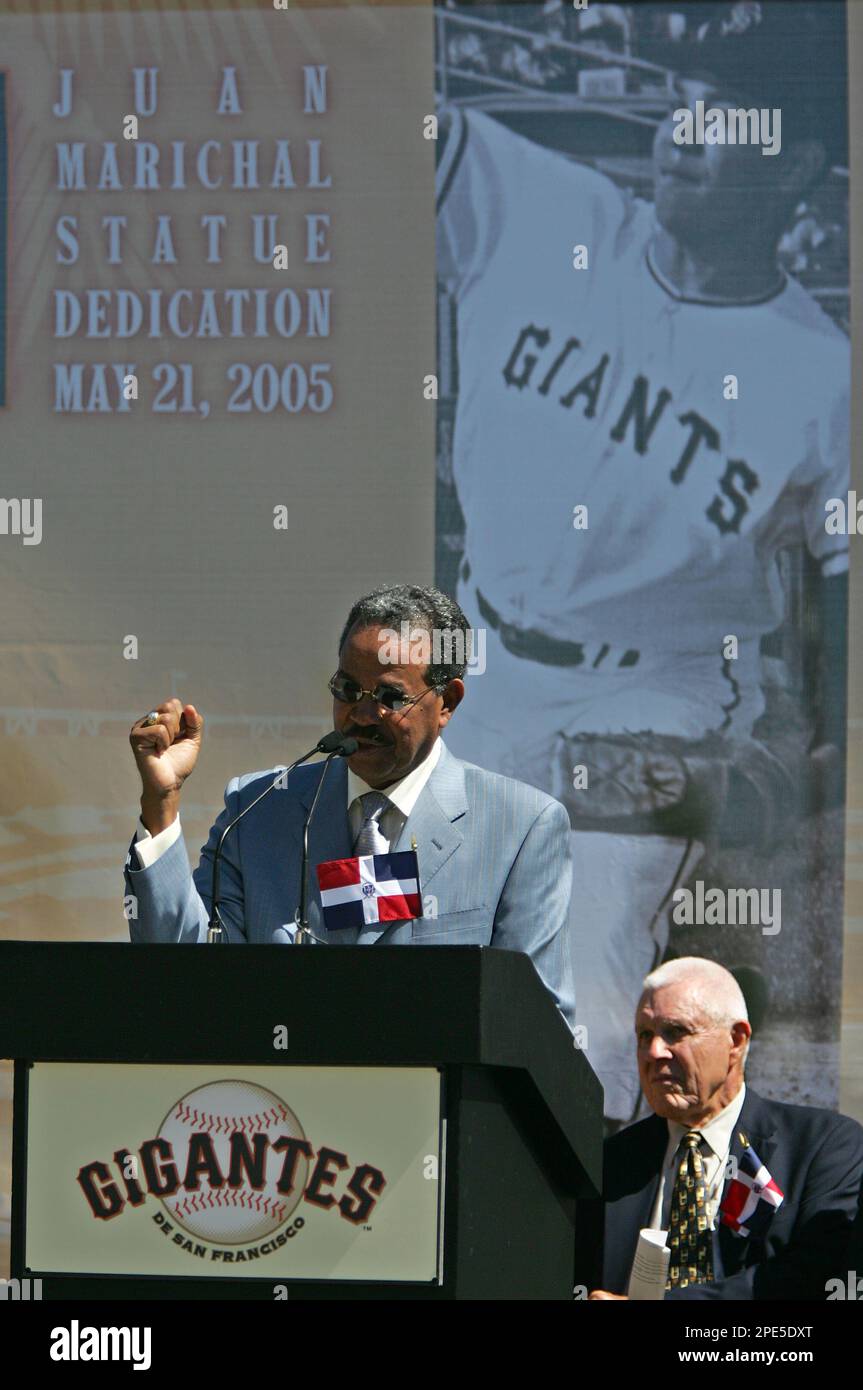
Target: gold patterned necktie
[689, 1236]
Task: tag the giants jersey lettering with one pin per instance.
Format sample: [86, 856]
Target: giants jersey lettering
[600, 388]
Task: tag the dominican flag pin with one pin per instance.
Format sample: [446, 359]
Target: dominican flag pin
[752, 1197]
[370, 888]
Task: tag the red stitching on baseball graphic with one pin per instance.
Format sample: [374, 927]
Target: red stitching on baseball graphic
[257, 1202]
[199, 1203]
[205, 1120]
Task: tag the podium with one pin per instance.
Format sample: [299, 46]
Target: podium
[453, 1062]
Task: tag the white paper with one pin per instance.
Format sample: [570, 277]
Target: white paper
[650, 1267]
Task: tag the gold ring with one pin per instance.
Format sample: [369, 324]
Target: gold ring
[152, 717]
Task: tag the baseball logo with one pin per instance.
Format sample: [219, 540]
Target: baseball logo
[233, 1214]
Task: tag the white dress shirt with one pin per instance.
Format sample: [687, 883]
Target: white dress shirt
[717, 1135]
[403, 794]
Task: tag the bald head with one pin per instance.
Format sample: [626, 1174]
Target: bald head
[692, 1032]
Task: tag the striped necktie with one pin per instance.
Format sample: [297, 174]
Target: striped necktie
[371, 839]
[690, 1238]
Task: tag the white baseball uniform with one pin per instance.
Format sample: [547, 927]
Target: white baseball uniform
[603, 388]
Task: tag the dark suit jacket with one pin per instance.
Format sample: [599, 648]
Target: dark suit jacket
[815, 1156]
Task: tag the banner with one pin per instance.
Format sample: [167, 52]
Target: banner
[643, 495]
[202, 431]
[254, 1172]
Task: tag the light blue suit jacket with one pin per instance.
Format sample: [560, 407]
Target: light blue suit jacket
[494, 862]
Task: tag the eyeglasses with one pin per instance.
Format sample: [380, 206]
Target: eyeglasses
[349, 693]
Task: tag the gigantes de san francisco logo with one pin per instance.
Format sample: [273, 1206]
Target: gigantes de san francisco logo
[231, 1164]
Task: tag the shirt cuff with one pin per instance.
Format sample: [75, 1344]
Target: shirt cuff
[149, 847]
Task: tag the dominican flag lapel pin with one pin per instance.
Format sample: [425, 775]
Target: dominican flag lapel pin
[752, 1196]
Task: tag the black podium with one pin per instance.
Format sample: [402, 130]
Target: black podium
[521, 1109]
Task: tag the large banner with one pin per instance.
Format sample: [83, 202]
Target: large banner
[217, 328]
[643, 464]
[226, 376]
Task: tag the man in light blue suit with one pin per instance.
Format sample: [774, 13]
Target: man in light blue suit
[493, 853]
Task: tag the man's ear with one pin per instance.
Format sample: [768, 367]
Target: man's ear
[740, 1033]
[452, 696]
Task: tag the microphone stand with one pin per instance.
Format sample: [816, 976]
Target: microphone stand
[304, 936]
[335, 746]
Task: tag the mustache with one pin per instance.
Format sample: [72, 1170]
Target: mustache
[366, 731]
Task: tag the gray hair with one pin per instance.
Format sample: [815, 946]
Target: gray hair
[712, 988]
[421, 607]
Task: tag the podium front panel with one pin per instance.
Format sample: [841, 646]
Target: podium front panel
[202, 1171]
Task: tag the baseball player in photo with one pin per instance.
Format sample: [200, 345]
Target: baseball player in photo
[649, 408]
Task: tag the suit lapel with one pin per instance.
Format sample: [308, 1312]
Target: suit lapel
[430, 823]
[755, 1123]
[433, 823]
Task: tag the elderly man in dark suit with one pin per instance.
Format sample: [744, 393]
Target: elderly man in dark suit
[683, 1169]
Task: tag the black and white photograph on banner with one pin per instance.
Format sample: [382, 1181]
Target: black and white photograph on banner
[643, 432]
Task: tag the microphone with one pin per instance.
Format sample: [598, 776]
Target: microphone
[338, 744]
[334, 744]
